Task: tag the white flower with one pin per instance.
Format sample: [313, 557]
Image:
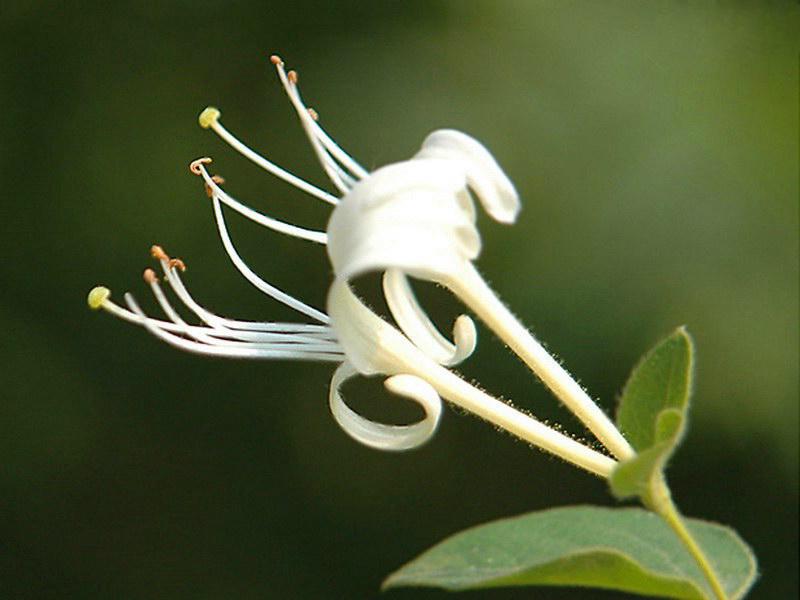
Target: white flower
[418, 218]
[415, 217]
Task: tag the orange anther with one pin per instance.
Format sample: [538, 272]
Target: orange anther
[194, 166]
[158, 253]
[219, 180]
[292, 77]
[276, 60]
[177, 263]
[149, 276]
[313, 114]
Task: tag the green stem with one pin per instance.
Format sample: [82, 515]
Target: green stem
[659, 499]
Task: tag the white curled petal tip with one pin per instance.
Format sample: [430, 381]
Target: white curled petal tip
[415, 323]
[488, 181]
[466, 339]
[379, 435]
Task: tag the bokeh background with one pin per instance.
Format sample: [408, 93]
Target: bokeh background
[655, 146]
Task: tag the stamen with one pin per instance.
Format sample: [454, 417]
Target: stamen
[206, 121]
[223, 337]
[257, 281]
[320, 141]
[319, 237]
[251, 351]
[109, 306]
[152, 280]
[294, 94]
[280, 338]
[324, 340]
[310, 332]
[177, 285]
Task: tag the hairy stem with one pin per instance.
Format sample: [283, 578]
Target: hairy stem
[659, 499]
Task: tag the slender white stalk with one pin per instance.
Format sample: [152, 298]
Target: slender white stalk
[277, 346]
[218, 336]
[210, 118]
[308, 331]
[172, 314]
[319, 237]
[475, 293]
[335, 151]
[289, 82]
[228, 351]
[257, 281]
[126, 315]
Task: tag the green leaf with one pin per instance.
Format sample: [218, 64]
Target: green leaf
[626, 549]
[653, 412]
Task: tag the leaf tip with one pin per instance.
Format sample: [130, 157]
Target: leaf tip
[391, 581]
[683, 332]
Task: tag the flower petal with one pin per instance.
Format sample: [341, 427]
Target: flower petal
[370, 343]
[415, 216]
[413, 321]
[379, 435]
[487, 180]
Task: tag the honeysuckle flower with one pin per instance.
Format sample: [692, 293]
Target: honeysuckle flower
[417, 217]
[219, 336]
[411, 218]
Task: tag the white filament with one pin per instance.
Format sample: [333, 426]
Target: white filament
[258, 282]
[224, 337]
[342, 181]
[272, 167]
[320, 237]
[264, 351]
[356, 171]
[308, 331]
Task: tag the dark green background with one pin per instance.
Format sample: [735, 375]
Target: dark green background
[655, 146]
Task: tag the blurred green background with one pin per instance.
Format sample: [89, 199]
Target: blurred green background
[655, 146]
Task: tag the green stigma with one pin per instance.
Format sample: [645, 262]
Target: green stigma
[97, 297]
[208, 117]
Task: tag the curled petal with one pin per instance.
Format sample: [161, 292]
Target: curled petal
[379, 435]
[414, 215]
[487, 180]
[418, 327]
